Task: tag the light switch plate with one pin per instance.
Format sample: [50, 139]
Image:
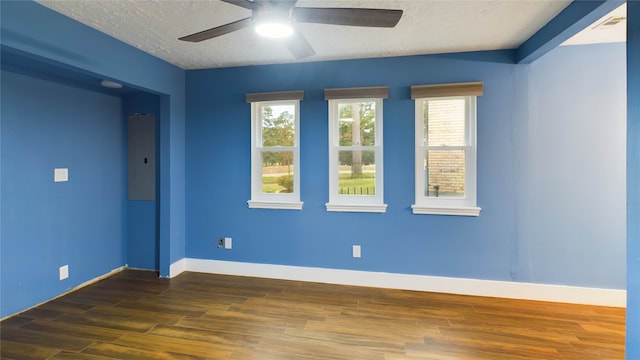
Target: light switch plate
[60, 174]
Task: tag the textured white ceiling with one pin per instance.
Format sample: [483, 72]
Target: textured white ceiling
[426, 27]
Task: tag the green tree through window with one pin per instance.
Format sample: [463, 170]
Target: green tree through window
[357, 128]
[277, 131]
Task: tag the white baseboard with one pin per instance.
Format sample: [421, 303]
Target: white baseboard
[178, 267]
[492, 288]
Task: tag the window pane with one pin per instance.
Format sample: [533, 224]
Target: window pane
[444, 173]
[278, 125]
[357, 172]
[277, 171]
[357, 123]
[444, 122]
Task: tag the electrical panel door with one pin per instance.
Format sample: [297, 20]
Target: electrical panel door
[142, 157]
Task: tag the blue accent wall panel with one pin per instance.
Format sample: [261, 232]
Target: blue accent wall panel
[80, 223]
[633, 180]
[490, 246]
[572, 202]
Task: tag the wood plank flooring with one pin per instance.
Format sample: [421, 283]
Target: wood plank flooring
[135, 315]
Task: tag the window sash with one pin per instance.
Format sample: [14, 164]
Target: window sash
[467, 115]
[349, 198]
[259, 198]
[350, 202]
[427, 188]
[425, 204]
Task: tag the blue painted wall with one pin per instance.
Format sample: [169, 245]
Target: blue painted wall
[218, 171]
[491, 246]
[633, 180]
[44, 224]
[29, 27]
[572, 201]
[80, 52]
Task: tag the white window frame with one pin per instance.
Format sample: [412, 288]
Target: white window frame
[260, 199]
[466, 206]
[355, 203]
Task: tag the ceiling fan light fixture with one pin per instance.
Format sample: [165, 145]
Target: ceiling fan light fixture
[273, 26]
[274, 30]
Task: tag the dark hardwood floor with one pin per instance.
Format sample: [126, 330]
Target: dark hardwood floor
[134, 315]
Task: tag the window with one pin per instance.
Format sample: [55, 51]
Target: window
[275, 155]
[355, 149]
[446, 149]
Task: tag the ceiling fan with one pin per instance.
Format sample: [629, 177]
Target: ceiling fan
[281, 15]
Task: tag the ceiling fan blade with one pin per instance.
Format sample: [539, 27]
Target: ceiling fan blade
[247, 4]
[218, 31]
[348, 16]
[299, 46]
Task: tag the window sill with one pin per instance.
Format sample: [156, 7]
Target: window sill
[278, 205]
[446, 210]
[381, 208]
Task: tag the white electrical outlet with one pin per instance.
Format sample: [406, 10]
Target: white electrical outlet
[64, 272]
[227, 243]
[60, 174]
[357, 251]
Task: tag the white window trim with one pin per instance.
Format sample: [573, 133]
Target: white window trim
[280, 205]
[353, 203]
[370, 208]
[259, 199]
[466, 206]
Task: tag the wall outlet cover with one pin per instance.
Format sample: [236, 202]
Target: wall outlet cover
[60, 174]
[357, 251]
[64, 272]
[227, 243]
